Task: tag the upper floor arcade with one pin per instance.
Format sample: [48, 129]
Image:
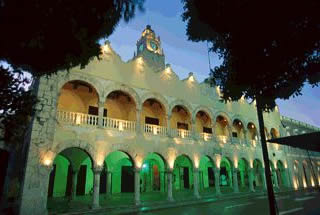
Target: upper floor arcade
[122, 109]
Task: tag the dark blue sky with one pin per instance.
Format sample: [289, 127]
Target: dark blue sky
[185, 56]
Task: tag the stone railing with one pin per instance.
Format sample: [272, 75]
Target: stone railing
[222, 138]
[297, 122]
[182, 133]
[236, 140]
[119, 124]
[76, 118]
[253, 143]
[206, 136]
[155, 129]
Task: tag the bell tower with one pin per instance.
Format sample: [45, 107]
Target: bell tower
[149, 47]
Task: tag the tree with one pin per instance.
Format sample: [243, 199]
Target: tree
[269, 50]
[16, 104]
[42, 37]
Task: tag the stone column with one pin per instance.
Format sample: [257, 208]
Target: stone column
[74, 183]
[251, 178]
[109, 178]
[217, 180]
[235, 180]
[230, 177]
[263, 176]
[194, 133]
[169, 133]
[196, 183]
[35, 189]
[169, 184]
[288, 176]
[275, 178]
[137, 186]
[96, 187]
[100, 114]
[242, 178]
[138, 121]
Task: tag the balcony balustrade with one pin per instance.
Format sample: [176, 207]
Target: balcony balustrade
[155, 129]
[79, 119]
[205, 136]
[75, 118]
[118, 124]
[182, 133]
[236, 140]
[222, 138]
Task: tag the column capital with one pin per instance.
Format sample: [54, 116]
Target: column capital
[74, 172]
[101, 103]
[46, 168]
[235, 169]
[169, 171]
[137, 170]
[216, 169]
[97, 170]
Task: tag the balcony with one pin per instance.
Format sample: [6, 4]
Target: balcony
[205, 136]
[222, 138]
[118, 124]
[75, 118]
[155, 130]
[81, 119]
[236, 140]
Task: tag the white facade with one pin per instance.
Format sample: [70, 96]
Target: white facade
[146, 77]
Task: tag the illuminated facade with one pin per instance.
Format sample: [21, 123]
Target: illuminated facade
[134, 127]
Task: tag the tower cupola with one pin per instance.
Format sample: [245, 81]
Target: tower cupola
[149, 47]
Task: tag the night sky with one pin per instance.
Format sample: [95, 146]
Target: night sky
[185, 56]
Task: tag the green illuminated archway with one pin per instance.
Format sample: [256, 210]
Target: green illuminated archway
[183, 173]
[243, 176]
[281, 174]
[152, 173]
[273, 173]
[121, 167]
[225, 174]
[206, 168]
[71, 175]
[258, 174]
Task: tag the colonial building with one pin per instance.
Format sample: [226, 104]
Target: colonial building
[135, 127]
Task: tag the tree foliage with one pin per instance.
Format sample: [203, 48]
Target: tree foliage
[45, 36]
[269, 48]
[16, 104]
[42, 37]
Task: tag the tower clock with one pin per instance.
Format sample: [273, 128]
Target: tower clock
[149, 47]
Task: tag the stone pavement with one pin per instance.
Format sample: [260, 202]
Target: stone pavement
[124, 202]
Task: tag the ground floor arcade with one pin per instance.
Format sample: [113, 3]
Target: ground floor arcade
[73, 178]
